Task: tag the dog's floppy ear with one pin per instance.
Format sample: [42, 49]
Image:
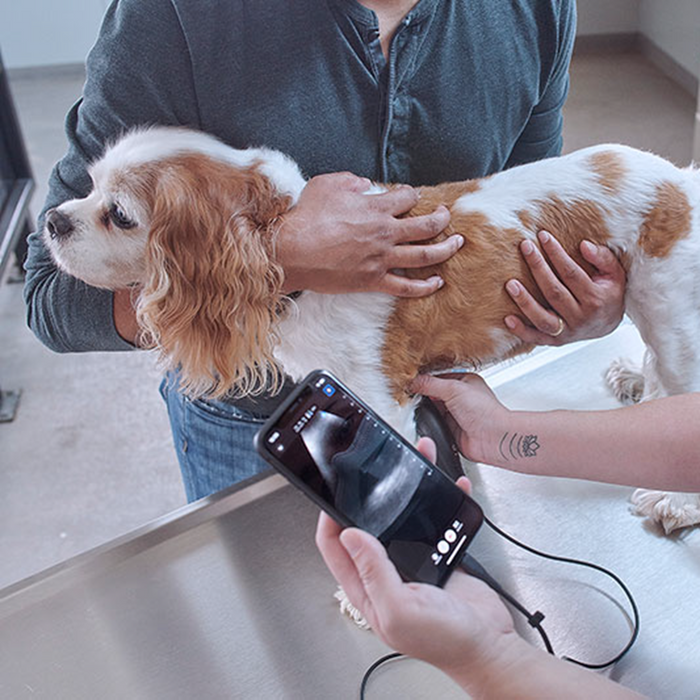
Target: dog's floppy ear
[213, 293]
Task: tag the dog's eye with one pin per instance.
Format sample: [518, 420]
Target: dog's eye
[119, 218]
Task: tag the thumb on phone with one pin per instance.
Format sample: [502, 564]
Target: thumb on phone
[426, 446]
[380, 580]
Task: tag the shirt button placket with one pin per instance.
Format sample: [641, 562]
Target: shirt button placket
[398, 135]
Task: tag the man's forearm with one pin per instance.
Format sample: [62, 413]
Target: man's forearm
[654, 445]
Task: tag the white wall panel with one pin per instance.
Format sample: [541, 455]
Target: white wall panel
[48, 32]
[674, 26]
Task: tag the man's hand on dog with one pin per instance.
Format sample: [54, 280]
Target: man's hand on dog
[337, 239]
[581, 305]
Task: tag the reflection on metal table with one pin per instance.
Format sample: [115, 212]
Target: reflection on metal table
[228, 598]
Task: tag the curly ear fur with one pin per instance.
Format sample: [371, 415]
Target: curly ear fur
[213, 293]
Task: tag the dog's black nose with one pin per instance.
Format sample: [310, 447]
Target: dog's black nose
[59, 225]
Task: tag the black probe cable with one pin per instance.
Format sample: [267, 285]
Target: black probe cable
[474, 568]
[566, 560]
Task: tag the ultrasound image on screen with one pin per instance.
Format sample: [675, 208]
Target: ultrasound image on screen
[371, 478]
[354, 464]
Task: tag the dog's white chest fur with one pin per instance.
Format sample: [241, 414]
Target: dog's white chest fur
[344, 334]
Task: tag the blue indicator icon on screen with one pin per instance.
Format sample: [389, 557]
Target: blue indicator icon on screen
[329, 390]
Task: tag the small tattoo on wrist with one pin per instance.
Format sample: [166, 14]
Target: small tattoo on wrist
[516, 446]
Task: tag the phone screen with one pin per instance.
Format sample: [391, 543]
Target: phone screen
[353, 464]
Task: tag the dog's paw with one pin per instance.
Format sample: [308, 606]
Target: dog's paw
[626, 381]
[672, 510]
[347, 608]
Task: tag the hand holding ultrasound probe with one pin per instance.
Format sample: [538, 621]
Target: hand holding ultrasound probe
[652, 444]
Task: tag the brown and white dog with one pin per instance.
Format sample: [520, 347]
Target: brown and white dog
[191, 223]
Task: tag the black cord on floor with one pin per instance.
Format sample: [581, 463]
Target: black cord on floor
[373, 668]
[590, 565]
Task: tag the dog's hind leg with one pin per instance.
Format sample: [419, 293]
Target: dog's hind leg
[632, 383]
[674, 368]
[626, 381]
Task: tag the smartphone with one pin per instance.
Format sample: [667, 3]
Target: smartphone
[340, 453]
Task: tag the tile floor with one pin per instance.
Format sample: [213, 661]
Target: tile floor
[89, 455]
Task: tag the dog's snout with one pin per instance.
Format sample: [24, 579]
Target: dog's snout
[58, 224]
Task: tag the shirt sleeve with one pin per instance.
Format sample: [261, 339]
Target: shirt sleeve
[139, 72]
[542, 135]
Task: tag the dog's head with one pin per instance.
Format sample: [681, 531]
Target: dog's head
[190, 224]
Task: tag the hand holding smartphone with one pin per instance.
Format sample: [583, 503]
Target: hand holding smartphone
[341, 454]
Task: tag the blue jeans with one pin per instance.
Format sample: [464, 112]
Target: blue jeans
[213, 441]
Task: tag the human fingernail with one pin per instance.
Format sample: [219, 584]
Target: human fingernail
[443, 212]
[588, 247]
[415, 385]
[527, 247]
[510, 322]
[513, 287]
[438, 281]
[459, 240]
[352, 546]
[543, 236]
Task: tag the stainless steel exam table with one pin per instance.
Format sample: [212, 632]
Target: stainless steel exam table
[228, 598]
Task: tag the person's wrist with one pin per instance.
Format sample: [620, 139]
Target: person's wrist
[495, 426]
[499, 669]
[283, 254]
